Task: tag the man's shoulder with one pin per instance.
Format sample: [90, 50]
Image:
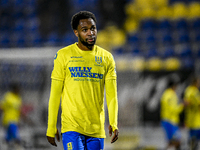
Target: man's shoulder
[9, 93]
[192, 89]
[168, 92]
[66, 48]
[102, 50]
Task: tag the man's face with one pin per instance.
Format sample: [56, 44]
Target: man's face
[86, 33]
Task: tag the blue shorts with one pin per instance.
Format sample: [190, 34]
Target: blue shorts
[194, 134]
[12, 132]
[76, 141]
[172, 131]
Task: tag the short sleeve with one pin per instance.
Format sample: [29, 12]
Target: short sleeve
[111, 74]
[58, 72]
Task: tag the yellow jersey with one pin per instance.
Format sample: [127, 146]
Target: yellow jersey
[192, 111]
[170, 109]
[11, 106]
[84, 74]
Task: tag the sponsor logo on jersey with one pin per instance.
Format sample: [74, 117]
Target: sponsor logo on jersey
[77, 57]
[85, 72]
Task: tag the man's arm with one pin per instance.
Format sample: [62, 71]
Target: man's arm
[54, 103]
[112, 104]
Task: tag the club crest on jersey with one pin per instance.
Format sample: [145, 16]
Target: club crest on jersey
[98, 59]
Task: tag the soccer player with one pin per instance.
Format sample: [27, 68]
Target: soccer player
[80, 73]
[170, 110]
[192, 112]
[11, 108]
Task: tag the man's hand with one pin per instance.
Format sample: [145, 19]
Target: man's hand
[115, 136]
[51, 140]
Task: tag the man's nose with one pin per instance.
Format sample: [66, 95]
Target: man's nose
[90, 32]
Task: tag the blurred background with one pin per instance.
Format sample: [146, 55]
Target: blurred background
[151, 40]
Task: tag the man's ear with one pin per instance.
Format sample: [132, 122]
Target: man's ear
[76, 32]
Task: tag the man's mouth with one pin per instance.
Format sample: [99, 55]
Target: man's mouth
[91, 40]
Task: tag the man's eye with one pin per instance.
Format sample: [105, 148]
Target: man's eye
[84, 30]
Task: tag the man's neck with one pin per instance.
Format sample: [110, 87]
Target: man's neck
[85, 48]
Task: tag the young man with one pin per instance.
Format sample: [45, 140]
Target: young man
[192, 112]
[170, 110]
[11, 107]
[81, 71]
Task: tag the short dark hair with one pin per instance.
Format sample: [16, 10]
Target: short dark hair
[14, 87]
[172, 83]
[194, 80]
[81, 15]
